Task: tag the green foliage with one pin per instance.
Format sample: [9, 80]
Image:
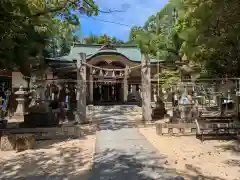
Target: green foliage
[28, 25]
[211, 31]
[135, 30]
[158, 37]
[92, 39]
[206, 31]
[169, 78]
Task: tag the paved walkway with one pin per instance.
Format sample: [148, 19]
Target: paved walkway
[122, 153]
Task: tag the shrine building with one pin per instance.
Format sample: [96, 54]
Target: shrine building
[113, 72]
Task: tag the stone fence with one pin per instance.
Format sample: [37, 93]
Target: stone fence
[181, 129]
[25, 138]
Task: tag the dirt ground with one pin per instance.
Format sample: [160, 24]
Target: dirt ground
[213, 160]
[68, 159]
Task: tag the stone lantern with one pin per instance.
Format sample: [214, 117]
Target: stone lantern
[21, 101]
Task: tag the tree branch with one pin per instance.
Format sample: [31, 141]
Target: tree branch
[55, 10]
[101, 11]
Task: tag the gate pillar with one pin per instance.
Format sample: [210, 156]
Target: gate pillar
[81, 89]
[146, 88]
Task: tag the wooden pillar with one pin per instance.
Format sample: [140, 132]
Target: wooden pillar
[91, 86]
[81, 89]
[125, 85]
[238, 99]
[146, 88]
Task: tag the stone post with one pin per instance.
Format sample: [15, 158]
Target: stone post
[125, 85]
[146, 88]
[81, 89]
[91, 86]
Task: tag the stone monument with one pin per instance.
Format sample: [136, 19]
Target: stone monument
[40, 114]
[159, 111]
[185, 104]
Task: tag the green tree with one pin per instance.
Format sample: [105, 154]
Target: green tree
[103, 39]
[27, 26]
[211, 33]
[135, 30]
[160, 40]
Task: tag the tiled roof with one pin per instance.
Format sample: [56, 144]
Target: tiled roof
[130, 51]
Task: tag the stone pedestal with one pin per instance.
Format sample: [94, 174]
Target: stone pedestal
[186, 112]
[39, 112]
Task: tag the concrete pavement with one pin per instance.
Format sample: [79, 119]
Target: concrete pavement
[122, 153]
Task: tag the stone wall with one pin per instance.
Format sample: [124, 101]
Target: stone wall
[10, 137]
[181, 129]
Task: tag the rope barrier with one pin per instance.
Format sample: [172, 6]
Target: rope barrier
[109, 77]
[105, 69]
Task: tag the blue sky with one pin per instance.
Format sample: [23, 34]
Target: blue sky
[136, 13]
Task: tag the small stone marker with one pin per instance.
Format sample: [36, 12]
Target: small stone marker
[19, 142]
[8, 143]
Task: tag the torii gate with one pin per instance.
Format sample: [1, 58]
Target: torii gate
[81, 64]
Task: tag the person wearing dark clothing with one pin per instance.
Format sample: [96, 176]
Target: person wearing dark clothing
[62, 99]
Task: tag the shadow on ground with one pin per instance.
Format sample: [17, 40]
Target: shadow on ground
[112, 164]
[115, 117]
[132, 162]
[233, 147]
[60, 160]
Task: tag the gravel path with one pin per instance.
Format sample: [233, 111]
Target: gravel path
[122, 153]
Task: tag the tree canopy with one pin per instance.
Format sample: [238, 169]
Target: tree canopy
[205, 31]
[29, 26]
[93, 39]
[210, 30]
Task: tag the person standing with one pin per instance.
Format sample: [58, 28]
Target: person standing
[62, 101]
[176, 98]
[5, 106]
